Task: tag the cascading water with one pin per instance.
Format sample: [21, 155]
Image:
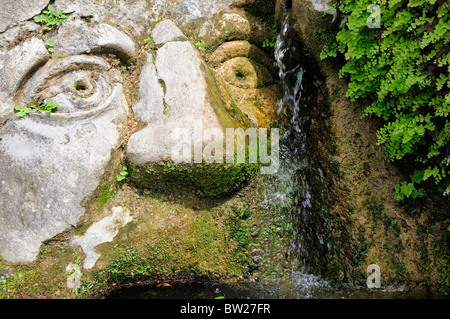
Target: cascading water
[304, 181]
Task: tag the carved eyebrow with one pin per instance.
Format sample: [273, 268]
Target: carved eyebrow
[77, 37]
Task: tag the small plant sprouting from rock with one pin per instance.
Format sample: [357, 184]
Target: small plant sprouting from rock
[123, 174]
[409, 190]
[47, 107]
[271, 42]
[239, 71]
[50, 19]
[50, 44]
[201, 45]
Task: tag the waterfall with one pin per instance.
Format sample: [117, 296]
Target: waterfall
[302, 184]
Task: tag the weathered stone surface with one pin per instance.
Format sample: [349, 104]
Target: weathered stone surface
[14, 11]
[50, 164]
[9, 38]
[233, 24]
[166, 31]
[150, 106]
[140, 15]
[46, 173]
[102, 232]
[185, 104]
[17, 63]
[20, 60]
[77, 36]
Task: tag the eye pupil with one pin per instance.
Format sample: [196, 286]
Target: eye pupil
[80, 85]
[239, 74]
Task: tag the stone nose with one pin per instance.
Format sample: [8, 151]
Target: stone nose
[175, 92]
[178, 103]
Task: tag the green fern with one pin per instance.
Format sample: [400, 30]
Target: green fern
[401, 70]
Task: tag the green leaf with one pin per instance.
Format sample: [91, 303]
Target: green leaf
[418, 177]
[22, 111]
[421, 193]
[407, 189]
[39, 18]
[50, 42]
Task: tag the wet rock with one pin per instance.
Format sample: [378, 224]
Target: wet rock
[306, 18]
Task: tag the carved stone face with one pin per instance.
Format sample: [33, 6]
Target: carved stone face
[52, 163]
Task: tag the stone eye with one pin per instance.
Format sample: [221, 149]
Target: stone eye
[245, 73]
[243, 65]
[79, 84]
[247, 76]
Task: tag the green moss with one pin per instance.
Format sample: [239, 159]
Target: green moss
[213, 180]
[105, 195]
[44, 278]
[226, 109]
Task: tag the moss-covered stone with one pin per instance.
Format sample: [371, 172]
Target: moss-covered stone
[212, 180]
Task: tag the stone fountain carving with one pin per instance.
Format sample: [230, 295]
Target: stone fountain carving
[52, 163]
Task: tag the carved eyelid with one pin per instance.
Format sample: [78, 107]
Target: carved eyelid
[78, 37]
[233, 49]
[243, 65]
